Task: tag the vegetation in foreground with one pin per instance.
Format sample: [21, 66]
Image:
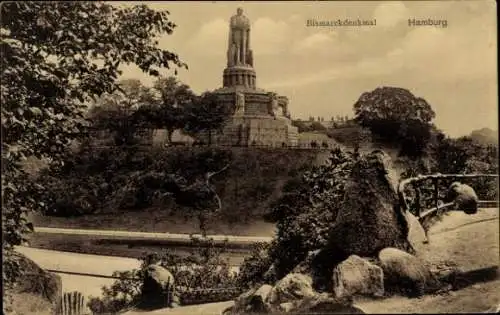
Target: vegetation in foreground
[206, 271]
[57, 57]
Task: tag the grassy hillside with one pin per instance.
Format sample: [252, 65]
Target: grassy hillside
[254, 179]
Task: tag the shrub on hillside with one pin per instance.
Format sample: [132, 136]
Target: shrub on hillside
[95, 180]
[303, 215]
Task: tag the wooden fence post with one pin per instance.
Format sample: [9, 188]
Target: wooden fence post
[436, 192]
[73, 303]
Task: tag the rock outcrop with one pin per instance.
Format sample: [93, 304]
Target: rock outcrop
[292, 294]
[357, 276]
[252, 301]
[36, 286]
[326, 304]
[370, 218]
[292, 287]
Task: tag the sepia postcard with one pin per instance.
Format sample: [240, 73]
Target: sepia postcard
[249, 157]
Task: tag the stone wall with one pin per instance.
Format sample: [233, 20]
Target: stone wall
[257, 131]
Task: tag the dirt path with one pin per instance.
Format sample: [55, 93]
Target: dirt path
[472, 242]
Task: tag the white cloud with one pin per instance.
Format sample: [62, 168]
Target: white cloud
[211, 38]
[368, 67]
[269, 37]
[390, 13]
[315, 43]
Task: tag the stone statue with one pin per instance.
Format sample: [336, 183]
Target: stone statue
[240, 103]
[272, 107]
[239, 52]
[285, 109]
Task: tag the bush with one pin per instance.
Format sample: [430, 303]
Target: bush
[303, 215]
[255, 266]
[96, 180]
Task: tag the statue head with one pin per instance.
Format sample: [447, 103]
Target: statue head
[239, 11]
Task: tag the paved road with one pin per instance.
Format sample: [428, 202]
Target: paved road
[152, 236]
[84, 263]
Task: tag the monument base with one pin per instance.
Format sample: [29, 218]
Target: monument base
[257, 131]
[256, 123]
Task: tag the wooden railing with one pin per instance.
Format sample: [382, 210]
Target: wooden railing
[72, 303]
[423, 212]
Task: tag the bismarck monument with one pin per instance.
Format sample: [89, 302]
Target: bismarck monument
[260, 117]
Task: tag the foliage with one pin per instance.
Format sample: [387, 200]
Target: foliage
[485, 136]
[304, 214]
[124, 112]
[110, 179]
[304, 126]
[466, 156]
[206, 115]
[169, 105]
[256, 264]
[453, 156]
[57, 57]
[175, 99]
[396, 116]
[207, 270]
[350, 135]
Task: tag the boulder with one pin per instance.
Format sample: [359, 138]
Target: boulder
[357, 276]
[370, 217]
[252, 301]
[35, 280]
[35, 291]
[158, 288]
[405, 273]
[417, 237]
[494, 309]
[326, 304]
[292, 287]
[464, 197]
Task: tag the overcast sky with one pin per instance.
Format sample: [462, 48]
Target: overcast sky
[324, 70]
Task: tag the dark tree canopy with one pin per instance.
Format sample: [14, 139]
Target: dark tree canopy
[396, 116]
[57, 57]
[175, 98]
[207, 115]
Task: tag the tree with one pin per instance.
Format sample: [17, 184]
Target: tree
[125, 112]
[56, 57]
[485, 136]
[397, 117]
[175, 98]
[207, 115]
